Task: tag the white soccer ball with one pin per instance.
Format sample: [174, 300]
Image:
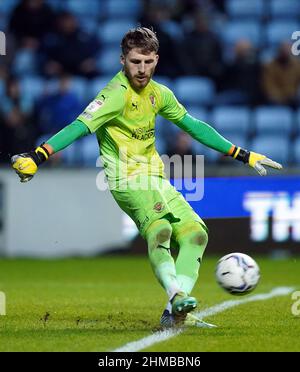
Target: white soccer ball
[237, 273]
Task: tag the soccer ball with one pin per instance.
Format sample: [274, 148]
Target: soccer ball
[237, 273]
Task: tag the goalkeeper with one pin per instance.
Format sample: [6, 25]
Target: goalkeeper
[123, 117]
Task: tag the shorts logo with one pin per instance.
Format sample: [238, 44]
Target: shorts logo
[159, 207]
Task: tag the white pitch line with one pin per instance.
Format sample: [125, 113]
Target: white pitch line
[169, 333]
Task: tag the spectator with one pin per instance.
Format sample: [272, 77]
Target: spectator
[201, 51]
[281, 77]
[181, 146]
[242, 75]
[156, 17]
[54, 110]
[17, 131]
[31, 19]
[69, 50]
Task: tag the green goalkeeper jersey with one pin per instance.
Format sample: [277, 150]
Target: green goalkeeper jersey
[124, 122]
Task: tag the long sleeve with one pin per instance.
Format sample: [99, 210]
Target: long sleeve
[68, 135]
[204, 133]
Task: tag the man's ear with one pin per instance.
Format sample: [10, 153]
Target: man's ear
[157, 58]
[122, 59]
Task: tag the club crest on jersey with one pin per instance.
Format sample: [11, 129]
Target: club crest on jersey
[152, 100]
[159, 207]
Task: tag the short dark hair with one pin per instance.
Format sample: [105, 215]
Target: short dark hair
[142, 38]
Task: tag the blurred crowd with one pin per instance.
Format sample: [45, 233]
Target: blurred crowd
[58, 53]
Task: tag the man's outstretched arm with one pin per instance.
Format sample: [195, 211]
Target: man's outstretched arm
[207, 135]
[26, 164]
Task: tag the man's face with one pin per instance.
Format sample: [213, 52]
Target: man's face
[139, 67]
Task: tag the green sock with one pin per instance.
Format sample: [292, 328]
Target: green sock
[158, 238]
[191, 248]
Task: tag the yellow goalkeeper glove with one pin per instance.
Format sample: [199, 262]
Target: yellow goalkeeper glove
[256, 161]
[26, 164]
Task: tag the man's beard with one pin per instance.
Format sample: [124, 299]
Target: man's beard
[138, 81]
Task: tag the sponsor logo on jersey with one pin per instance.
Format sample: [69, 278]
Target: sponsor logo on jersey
[87, 115]
[143, 133]
[94, 106]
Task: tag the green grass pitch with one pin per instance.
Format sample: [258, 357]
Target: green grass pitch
[103, 303]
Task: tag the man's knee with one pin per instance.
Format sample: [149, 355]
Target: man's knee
[194, 234]
[200, 237]
[159, 231]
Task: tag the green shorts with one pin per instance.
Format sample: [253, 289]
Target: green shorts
[157, 199]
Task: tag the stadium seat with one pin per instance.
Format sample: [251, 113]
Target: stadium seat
[296, 152]
[237, 30]
[275, 147]
[173, 29]
[78, 86]
[198, 112]
[112, 31]
[273, 120]
[231, 97]
[232, 120]
[109, 61]
[96, 85]
[284, 9]
[86, 8]
[51, 86]
[245, 8]
[32, 87]
[122, 9]
[280, 31]
[89, 25]
[6, 7]
[25, 63]
[240, 140]
[193, 90]
[164, 80]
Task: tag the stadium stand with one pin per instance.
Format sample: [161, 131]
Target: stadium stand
[265, 23]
